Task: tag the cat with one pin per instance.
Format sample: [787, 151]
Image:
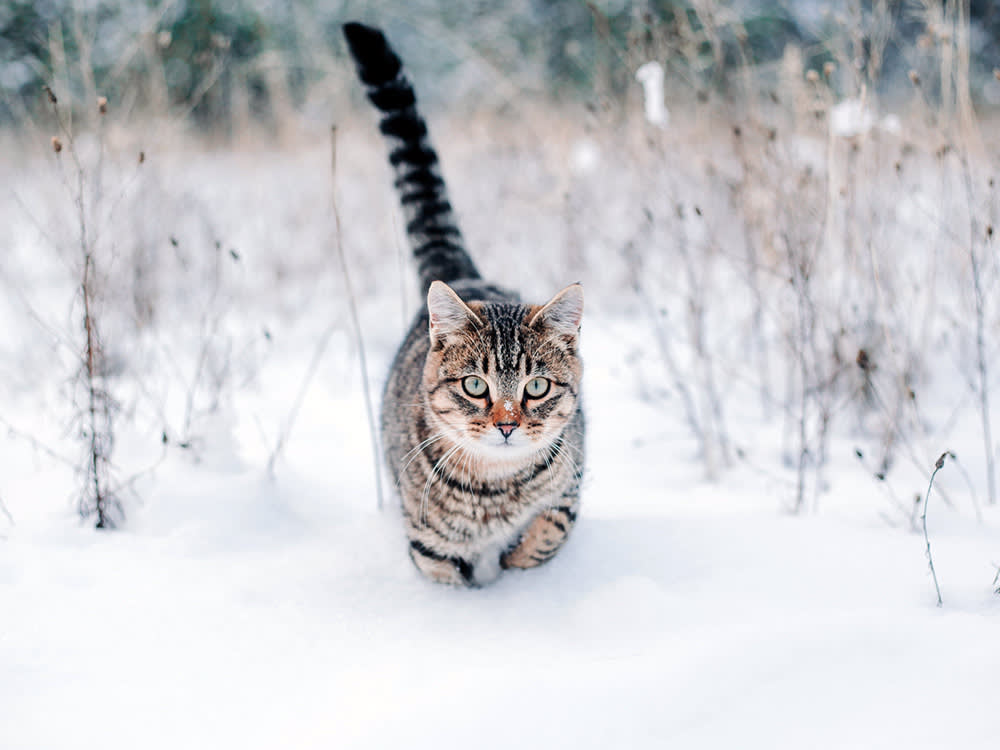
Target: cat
[482, 425]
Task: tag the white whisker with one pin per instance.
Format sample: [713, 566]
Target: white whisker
[425, 495]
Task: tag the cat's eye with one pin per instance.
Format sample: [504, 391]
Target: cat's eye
[474, 386]
[537, 387]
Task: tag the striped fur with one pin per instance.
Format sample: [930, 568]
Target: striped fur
[489, 474]
[430, 225]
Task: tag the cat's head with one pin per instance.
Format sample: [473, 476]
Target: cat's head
[503, 378]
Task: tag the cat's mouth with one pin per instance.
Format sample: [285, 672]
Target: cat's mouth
[513, 448]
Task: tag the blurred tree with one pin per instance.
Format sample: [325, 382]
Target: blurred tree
[195, 56]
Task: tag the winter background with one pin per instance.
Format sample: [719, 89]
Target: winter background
[782, 215]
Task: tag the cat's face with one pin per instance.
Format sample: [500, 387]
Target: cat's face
[503, 379]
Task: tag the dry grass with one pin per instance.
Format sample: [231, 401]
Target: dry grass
[776, 267]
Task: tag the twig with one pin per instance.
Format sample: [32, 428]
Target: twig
[923, 519]
[99, 431]
[679, 381]
[286, 429]
[130, 482]
[9, 517]
[968, 483]
[981, 363]
[355, 320]
[37, 444]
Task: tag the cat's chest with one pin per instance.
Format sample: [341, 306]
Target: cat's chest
[493, 513]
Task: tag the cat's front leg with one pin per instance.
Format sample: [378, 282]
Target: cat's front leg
[542, 539]
[441, 569]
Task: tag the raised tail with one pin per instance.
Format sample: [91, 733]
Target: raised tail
[430, 224]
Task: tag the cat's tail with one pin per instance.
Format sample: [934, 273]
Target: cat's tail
[430, 224]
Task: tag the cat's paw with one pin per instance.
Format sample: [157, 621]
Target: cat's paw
[441, 569]
[541, 540]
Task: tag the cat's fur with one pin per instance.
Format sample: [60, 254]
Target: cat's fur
[486, 482]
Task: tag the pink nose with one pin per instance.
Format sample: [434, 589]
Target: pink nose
[506, 428]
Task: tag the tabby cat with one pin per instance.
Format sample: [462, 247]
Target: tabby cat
[481, 421]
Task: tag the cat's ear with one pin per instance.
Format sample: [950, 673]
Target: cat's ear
[448, 313]
[563, 312]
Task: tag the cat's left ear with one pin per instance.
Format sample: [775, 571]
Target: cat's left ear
[563, 312]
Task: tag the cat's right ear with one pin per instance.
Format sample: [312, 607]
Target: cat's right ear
[447, 311]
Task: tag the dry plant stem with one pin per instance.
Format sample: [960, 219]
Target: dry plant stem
[209, 327]
[969, 485]
[923, 521]
[714, 417]
[981, 358]
[97, 399]
[355, 320]
[129, 483]
[680, 382]
[970, 138]
[96, 453]
[297, 404]
[37, 444]
[750, 246]
[910, 449]
[218, 66]
[6, 513]
[805, 318]
[666, 352]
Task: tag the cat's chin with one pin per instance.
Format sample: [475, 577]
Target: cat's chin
[506, 452]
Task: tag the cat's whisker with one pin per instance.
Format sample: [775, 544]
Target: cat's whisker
[563, 450]
[430, 480]
[423, 444]
[415, 453]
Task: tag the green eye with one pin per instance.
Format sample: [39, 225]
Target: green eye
[475, 386]
[537, 387]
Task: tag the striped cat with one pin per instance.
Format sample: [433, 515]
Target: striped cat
[481, 422]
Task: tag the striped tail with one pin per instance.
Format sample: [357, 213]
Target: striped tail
[430, 224]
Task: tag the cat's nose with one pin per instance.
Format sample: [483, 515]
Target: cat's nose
[506, 428]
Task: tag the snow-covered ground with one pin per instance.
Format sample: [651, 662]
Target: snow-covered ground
[234, 609]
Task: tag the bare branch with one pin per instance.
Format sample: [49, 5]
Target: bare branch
[356, 321]
[923, 520]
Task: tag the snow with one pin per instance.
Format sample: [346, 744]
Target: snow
[854, 117]
[239, 610]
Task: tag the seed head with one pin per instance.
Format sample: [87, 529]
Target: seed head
[56, 144]
[142, 156]
[163, 39]
[812, 76]
[50, 94]
[102, 105]
[863, 360]
[914, 78]
[828, 68]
